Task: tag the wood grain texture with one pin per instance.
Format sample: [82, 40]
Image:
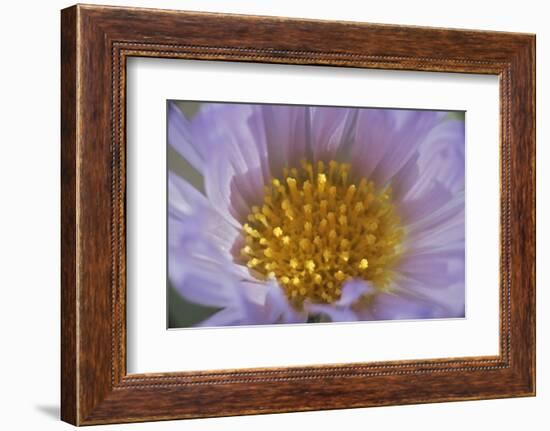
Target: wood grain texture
[68, 218]
[96, 41]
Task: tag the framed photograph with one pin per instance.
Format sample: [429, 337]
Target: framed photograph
[286, 214]
[265, 215]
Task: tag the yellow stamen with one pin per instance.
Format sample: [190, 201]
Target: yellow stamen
[315, 227]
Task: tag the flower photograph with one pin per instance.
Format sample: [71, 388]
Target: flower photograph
[289, 214]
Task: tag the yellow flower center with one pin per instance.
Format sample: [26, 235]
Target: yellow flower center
[317, 228]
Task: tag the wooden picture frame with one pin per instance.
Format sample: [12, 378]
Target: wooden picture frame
[96, 41]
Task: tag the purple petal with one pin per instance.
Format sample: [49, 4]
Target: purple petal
[278, 309]
[191, 213]
[353, 290]
[227, 317]
[405, 178]
[434, 269]
[198, 271]
[183, 198]
[202, 275]
[287, 135]
[414, 210]
[421, 221]
[231, 316]
[396, 306]
[441, 159]
[199, 285]
[224, 127]
[217, 182]
[341, 310]
[411, 129]
[221, 143]
[179, 138]
[372, 138]
[331, 130]
[237, 167]
[447, 236]
[264, 304]
[256, 291]
[386, 139]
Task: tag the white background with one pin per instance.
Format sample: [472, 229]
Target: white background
[29, 216]
[151, 348]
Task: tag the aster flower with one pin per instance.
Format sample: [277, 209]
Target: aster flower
[317, 213]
